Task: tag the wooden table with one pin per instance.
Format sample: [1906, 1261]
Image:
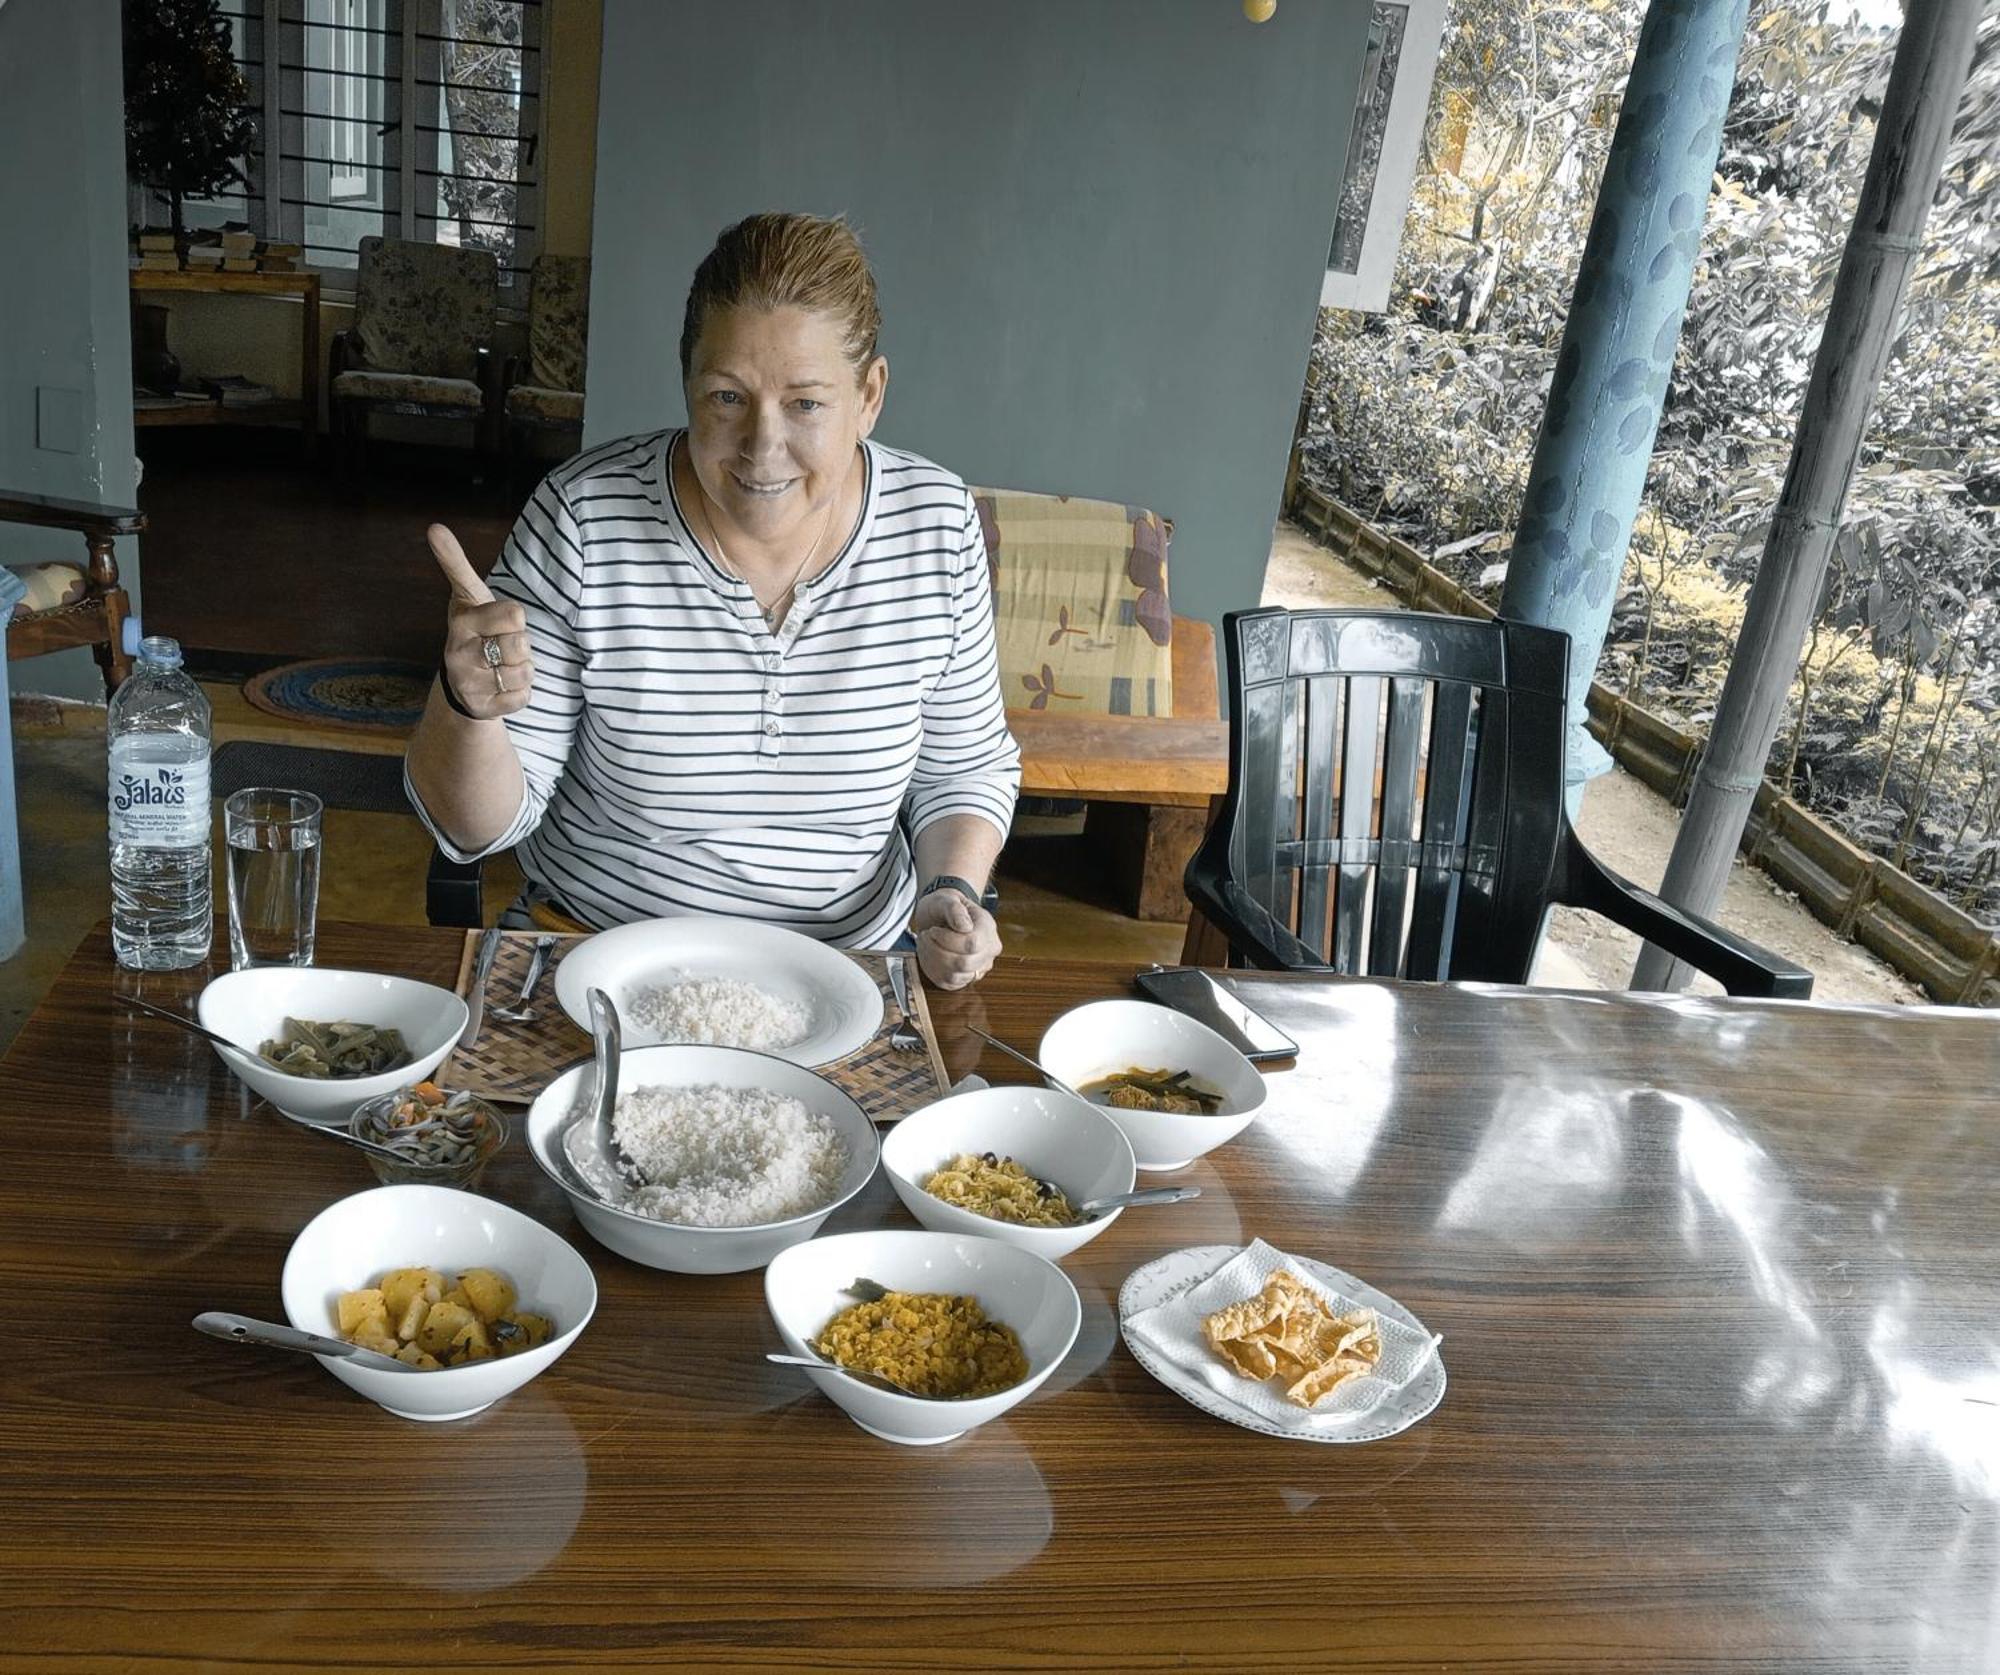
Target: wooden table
[1716, 1282]
[305, 286]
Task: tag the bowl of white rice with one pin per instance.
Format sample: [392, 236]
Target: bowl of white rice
[744, 1154]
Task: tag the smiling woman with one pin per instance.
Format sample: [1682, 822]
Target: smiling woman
[745, 668]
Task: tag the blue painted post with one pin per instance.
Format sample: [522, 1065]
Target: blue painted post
[13, 927]
[1610, 382]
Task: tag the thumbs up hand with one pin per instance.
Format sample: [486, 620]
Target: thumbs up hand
[486, 656]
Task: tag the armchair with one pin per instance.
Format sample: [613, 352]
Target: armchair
[1395, 807]
[421, 342]
[72, 604]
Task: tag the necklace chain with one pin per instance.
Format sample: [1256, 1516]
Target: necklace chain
[771, 610]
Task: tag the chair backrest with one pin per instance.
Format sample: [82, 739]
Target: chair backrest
[558, 321]
[1080, 604]
[424, 308]
[1396, 787]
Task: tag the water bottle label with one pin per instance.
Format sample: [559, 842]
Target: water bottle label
[159, 805]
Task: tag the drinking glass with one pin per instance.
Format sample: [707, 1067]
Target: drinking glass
[273, 839]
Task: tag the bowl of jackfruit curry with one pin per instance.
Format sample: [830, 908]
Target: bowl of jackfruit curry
[1174, 1086]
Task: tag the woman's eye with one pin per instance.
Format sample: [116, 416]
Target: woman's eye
[725, 398]
[806, 404]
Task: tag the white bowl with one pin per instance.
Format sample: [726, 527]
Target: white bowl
[250, 1007]
[841, 1000]
[1064, 1140]
[804, 1289]
[351, 1244]
[703, 1250]
[1108, 1036]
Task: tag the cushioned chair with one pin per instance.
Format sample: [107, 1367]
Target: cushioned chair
[1395, 807]
[421, 342]
[545, 397]
[66, 604]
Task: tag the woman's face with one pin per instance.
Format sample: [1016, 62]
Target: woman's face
[774, 413]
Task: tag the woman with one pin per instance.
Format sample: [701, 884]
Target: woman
[725, 670]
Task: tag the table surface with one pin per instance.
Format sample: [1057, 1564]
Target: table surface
[1716, 1284]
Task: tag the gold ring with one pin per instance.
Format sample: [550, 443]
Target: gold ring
[490, 650]
[499, 681]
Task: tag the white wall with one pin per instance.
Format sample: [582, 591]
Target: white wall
[1099, 228]
[65, 351]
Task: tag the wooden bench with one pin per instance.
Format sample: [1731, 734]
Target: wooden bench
[1149, 780]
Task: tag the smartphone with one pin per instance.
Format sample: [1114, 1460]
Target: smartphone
[1200, 996]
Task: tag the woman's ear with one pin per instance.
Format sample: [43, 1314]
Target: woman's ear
[874, 386]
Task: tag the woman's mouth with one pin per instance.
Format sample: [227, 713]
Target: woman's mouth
[762, 491]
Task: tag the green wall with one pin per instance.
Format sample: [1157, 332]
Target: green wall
[65, 352]
[1099, 228]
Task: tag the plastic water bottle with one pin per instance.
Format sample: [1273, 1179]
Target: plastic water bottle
[162, 912]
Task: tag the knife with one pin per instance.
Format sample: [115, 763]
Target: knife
[475, 1000]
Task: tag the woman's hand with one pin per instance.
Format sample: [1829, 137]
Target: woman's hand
[956, 941]
[487, 684]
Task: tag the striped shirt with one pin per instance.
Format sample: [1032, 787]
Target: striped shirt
[681, 756]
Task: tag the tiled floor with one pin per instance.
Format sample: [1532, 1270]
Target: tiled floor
[373, 864]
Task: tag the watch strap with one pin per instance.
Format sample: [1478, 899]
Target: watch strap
[949, 881]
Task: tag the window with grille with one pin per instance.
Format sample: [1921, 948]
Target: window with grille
[413, 119]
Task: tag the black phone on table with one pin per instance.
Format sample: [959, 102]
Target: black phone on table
[1199, 995]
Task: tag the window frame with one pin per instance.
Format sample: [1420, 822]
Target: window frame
[273, 201]
[1366, 288]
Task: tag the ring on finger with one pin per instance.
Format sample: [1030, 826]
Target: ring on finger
[489, 649]
[499, 680]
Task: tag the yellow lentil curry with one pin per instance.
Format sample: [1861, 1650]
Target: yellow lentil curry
[929, 1342]
[999, 1188]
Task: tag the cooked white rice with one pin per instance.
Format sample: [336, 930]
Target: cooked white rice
[720, 1012]
[726, 1157]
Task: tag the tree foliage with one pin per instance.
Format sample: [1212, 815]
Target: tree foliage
[1425, 417]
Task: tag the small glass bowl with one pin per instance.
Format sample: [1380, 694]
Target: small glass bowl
[374, 1121]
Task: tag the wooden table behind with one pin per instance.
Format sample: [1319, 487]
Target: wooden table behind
[1716, 1282]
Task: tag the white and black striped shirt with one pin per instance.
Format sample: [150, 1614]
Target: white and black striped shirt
[680, 756]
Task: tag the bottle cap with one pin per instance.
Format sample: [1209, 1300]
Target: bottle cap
[160, 651]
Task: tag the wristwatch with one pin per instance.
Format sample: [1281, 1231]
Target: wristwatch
[946, 881]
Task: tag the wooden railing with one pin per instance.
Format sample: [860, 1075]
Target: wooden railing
[1931, 941]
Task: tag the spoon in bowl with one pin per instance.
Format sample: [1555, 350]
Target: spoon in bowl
[240, 1328]
[1096, 1207]
[1053, 1081]
[589, 1142]
[860, 1375]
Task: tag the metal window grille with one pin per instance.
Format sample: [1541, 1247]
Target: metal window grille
[417, 119]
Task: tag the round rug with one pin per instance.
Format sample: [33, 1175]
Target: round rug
[358, 694]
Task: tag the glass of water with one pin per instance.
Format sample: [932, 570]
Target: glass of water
[273, 839]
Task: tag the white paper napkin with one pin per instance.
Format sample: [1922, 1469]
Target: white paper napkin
[1173, 1331]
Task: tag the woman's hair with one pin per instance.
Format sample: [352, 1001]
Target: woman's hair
[788, 261]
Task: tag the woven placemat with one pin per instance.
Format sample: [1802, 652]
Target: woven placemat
[512, 1063]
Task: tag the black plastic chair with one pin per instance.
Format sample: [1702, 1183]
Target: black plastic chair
[1395, 807]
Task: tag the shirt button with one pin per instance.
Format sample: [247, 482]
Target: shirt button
[772, 659]
[770, 729]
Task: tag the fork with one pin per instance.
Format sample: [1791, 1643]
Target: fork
[521, 1012]
[904, 1037]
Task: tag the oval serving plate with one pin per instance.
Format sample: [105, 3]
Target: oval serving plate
[1179, 1270]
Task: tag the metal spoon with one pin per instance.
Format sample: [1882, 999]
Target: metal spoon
[187, 1024]
[241, 1328]
[1055, 1082]
[1126, 1200]
[588, 1141]
[347, 1138]
[521, 1012]
[860, 1375]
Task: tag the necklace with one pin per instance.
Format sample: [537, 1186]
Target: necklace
[775, 608]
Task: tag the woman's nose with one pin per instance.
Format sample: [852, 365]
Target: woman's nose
[763, 432]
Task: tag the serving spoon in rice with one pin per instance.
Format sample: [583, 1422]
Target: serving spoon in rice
[589, 1142]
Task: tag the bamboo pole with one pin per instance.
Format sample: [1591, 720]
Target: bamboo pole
[1932, 60]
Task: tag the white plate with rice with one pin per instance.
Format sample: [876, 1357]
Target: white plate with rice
[724, 983]
[745, 1154]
